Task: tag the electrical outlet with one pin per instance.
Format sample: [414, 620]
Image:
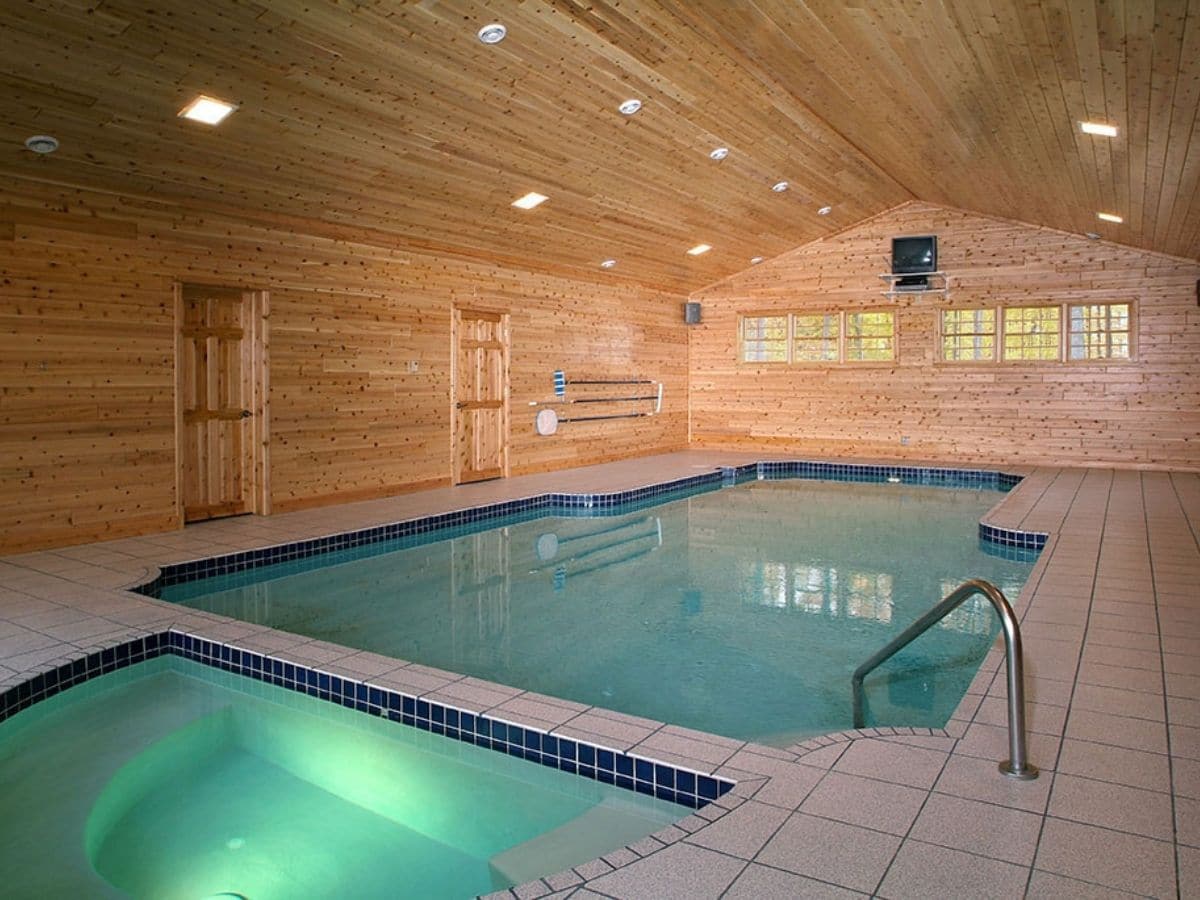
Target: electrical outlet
[413, 365]
[904, 440]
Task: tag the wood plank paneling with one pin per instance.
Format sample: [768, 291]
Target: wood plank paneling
[87, 442]
[389, 121]
[1143, 413]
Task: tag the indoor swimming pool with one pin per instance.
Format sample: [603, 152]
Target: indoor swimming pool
[740, 611]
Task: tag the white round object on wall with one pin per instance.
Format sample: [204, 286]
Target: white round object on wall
[547, 421]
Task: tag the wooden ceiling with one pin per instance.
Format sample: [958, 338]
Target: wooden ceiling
[389, 121]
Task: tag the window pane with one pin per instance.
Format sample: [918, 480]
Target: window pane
[870, 336]
[764, 338]
[815, 338]
[1031, 333]
[968, 334]
[1099, 331]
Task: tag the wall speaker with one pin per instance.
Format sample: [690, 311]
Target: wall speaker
[691, 313]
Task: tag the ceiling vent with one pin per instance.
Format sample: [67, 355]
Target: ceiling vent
[42, 143]
[493, 33]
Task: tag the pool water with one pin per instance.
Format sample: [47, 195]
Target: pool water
[174, 780]
[741, 611]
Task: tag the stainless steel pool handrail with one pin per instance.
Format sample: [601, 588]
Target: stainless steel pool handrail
[1016, 766]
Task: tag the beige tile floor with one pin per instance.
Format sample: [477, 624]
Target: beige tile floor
[1111, 620]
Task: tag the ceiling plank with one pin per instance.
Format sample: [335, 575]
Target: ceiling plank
[392, 120]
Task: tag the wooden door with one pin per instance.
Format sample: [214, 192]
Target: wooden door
[480, 395]
[220, 390]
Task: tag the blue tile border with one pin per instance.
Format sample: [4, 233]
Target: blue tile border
[863, 472]
[602, 504]
[611, 504]
[645, 776]
[67, 675]
[1009, 537]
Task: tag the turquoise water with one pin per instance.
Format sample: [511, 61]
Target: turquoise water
[741, 611]
[173, 780]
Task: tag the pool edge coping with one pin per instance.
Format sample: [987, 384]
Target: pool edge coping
[153, 579]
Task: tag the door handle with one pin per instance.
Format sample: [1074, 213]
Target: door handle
[462, 404]
[246, 414]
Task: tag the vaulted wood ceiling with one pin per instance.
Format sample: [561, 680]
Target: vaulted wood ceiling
[389, 121]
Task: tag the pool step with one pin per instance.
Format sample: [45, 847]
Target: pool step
[601, 829]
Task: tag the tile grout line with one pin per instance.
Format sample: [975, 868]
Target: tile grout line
[911, 825]
[1163, 662]
[1078, 666]
[795, 810]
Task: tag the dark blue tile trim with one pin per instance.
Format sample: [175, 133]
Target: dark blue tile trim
[1009, 537]
[47, 684]
[678, 785]
[923, 475]
[589, 505]
[594, 505]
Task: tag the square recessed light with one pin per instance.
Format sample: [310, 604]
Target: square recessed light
[530, 200]
[698, 249]
[208, 110]
[1109, 217]
[1099, 128]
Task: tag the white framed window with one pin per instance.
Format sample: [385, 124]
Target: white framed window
[870, 336]
[816, 337]
[968, 335]
[1098, 331]
[764, 338]
[1032, 333]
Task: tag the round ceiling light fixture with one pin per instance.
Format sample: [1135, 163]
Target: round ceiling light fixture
[755, 260]
[1092, 235]
[824, 210]
[779, 187]
[629, 107]
[42, 143]
[719, 154]
[492, 33]
[608, 263]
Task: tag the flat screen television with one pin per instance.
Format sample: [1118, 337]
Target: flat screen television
[914, 255]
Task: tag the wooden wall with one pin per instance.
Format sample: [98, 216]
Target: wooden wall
[86, 360]
[1143, 413]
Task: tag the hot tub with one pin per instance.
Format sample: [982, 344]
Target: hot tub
[169, 778]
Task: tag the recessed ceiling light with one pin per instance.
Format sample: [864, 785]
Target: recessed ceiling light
[824, 210]
[208, 110]
[1092, 235]
[629, 107]
[755, 260]
[719, 154]
[779, 187]
[492, 33]
[530, 200]
[1099, 128]
[608, 263]
[698, 249]
[42, 143]
[1109, 217]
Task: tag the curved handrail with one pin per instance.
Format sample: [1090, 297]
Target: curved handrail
[1016, 766]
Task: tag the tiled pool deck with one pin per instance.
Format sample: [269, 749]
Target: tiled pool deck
[1111, 623]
